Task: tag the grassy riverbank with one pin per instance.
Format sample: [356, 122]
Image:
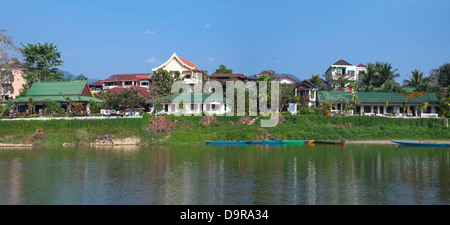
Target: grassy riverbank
[190, 129]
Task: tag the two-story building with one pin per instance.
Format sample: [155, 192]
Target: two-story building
[351, 72]
[126, 80]
[183, 69]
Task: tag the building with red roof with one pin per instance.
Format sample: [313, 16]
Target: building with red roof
[180, 67]
[124, 80]
[343, 67]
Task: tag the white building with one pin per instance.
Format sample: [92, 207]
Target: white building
[186, 70]
[342, 67]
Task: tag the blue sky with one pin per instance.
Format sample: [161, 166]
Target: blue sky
[101, 38]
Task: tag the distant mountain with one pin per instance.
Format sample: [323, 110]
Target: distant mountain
[73, 77]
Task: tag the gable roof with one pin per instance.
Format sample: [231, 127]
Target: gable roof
[183, 61]
[288, 77]
[305, 84]
[128, 77]
[341, 62]
[361, 65]
[57, 88]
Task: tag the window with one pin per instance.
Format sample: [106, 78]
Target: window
[192, 107]
[144, 83]
[128, 83]
[188, 76]
[351, 73]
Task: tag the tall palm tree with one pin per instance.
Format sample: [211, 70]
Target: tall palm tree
[369, 78]
[415, 79]
[386, 73]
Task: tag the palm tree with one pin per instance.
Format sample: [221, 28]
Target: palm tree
[386, 73]
[415, 79]
[369, 78]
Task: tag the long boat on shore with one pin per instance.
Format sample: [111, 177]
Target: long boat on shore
[266, 142]
[423, 144]
[298, 142]
[343, 142]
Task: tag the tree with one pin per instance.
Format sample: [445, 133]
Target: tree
[441, 76]
[81, 77]
[124, 99]
[161, 83]
[7, 62]
[52, 107]
[338, 81]
[370, 77]
[415, 79]
[40, 61]
[287, 95]
[317, 82]
[386, 73]
[223, 70]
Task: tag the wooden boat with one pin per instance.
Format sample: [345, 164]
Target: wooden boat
[229, 142]
[266, 142]
[331, 142]
[423, 144]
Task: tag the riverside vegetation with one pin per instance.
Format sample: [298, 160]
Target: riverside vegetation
[196, 129]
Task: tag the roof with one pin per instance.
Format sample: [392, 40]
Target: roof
[288, 77]
[189, 97]
[190, 64]
[305, 84]
[56, 99]
[128, 77]
[96, 83]
[228, 75]
[74, 87]
[360, 65]
[182, 60]
[341, 62]
[334, 96]
[374, 98]
[141, 90]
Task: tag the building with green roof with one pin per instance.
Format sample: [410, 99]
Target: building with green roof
[61, 92]
[381, 103]
[193, 103]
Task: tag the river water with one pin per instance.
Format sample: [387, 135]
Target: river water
[232, 175]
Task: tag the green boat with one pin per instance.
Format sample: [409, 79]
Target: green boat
[298, 142]
[293, 142]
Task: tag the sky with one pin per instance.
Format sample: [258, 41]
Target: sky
[303, 38]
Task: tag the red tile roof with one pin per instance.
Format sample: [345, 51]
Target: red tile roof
[141, 90]
[361, 65]
[342, 63]
[128, 77]
[96, 83]
[189, 63]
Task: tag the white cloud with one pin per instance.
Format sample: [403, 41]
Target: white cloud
[211, 59]
[208, 25]
[152, 60]
[69, 54]
[149, 32]
[278, 61]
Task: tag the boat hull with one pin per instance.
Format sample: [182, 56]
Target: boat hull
[422, 144]
[330, 142]
[267, 142]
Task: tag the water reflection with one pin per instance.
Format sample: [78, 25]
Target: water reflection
[199, 174]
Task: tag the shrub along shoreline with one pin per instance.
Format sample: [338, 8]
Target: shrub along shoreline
[197, 129]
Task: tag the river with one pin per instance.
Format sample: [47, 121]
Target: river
[231, 175]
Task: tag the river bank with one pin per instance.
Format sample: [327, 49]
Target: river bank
[196, 129]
